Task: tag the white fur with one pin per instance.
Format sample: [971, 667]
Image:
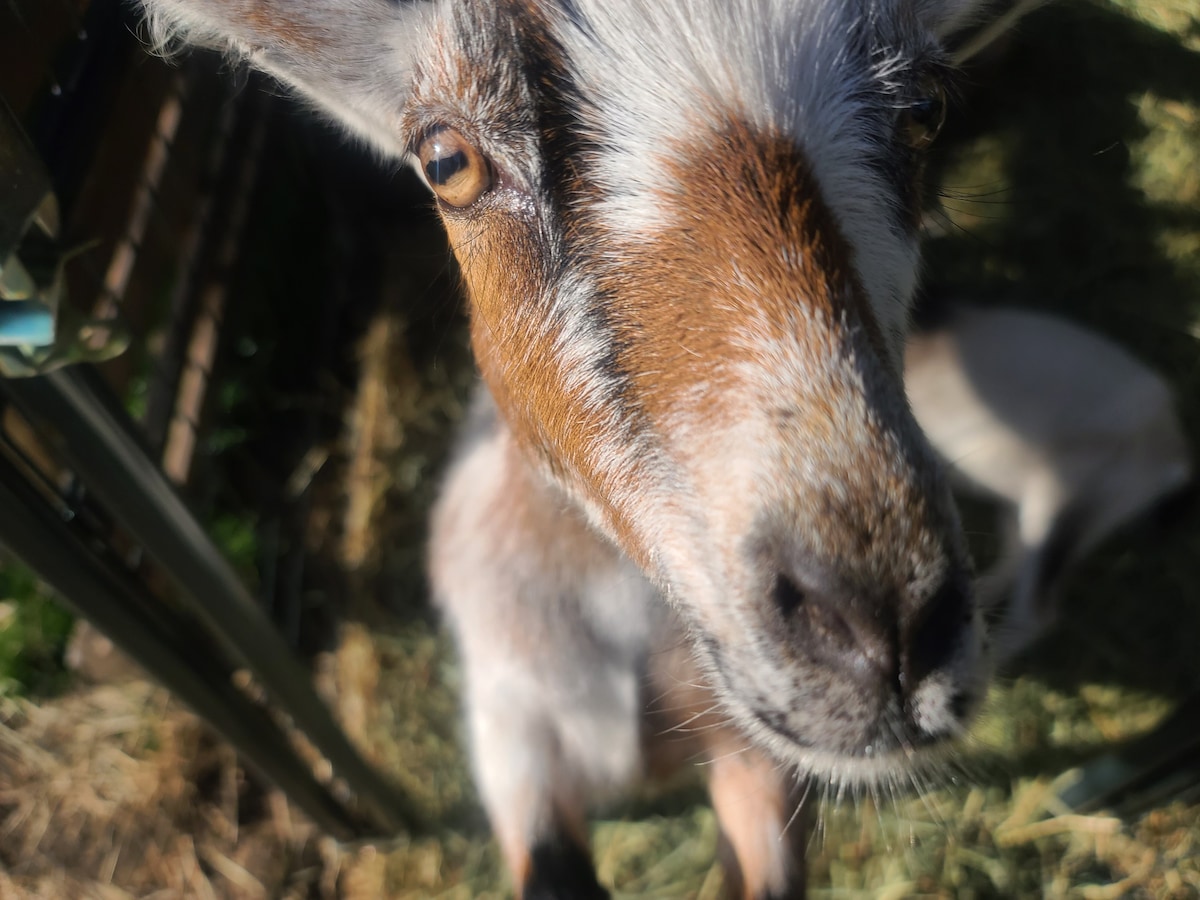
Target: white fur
[542, 720]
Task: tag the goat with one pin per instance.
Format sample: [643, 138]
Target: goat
[1068, 430]
[692, 500]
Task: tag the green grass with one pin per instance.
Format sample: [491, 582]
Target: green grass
[33, 633]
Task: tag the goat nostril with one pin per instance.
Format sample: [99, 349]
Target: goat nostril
[830, 630]
[938, 632]
[813, 618]
[788, 597]
[839, 637]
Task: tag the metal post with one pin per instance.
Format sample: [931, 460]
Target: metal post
[98, 441]
[169, 647]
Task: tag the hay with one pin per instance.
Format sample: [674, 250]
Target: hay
[116, 791]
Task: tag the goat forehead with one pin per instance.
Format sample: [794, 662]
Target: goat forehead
[641, 71]
[821, 73]
[643, 76]
[770, 57]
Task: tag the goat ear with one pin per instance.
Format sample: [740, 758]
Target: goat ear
[348, 57]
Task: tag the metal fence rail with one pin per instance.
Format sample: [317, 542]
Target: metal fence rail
[84, 499]
[174, 653]
[98, 442]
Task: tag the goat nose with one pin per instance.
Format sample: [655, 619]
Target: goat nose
[840, 633]
[938, 628]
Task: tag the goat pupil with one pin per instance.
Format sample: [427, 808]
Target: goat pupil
[442, 169]
[925, 112]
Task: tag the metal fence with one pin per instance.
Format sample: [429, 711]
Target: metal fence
[123, 185]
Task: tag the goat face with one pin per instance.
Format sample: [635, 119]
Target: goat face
[687, 231]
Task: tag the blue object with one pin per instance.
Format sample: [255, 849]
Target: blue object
[26, 323]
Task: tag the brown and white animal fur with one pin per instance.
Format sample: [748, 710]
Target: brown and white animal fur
[693, 489]
[1070, 431]
[579, 680]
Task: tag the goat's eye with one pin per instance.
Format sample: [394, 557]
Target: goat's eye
[454, 168]
[923, 118]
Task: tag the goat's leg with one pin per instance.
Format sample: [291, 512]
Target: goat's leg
[1073, 434]
[546, 621]
[763, 825]
[758, 801]
[1042, 538]
[536, 809]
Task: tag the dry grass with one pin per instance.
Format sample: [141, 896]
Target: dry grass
[115, 791]
[1073, 186]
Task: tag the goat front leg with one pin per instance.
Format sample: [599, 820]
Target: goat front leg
[531, 793]
[764, 825]
[760, 803]
[551, 625]
[1070, 432]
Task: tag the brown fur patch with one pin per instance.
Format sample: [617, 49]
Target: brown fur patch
[748, 243]
[508, 254]
[279, 24]
[750, 273]
[750, 261]
[516, 340]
